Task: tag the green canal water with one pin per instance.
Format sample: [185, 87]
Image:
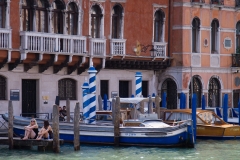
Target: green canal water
[205, 149]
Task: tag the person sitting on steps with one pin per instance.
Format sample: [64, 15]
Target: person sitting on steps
[45, 132]
[31, 131]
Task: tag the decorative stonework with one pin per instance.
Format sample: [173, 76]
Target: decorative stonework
[227, 43]
[205, 42]
[214, 60]
[196, 60]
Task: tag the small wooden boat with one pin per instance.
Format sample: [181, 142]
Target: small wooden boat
[209, 125]
[148, 133]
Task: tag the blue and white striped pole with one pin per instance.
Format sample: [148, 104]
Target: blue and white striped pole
[85, 90]
[138, 77]
[92, 95]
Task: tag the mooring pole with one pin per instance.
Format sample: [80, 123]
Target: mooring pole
[55, 127]
[10, 125]
[68, 109]
[117, 122]
[157, 105]
[150, 105]
[113, 109]
[100, 104]
[238, 113]
[76, 127]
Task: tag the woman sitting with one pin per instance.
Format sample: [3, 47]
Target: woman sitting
[45, 132]
[31, 131]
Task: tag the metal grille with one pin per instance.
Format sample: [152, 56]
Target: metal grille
[214, 93]
[67, 89]
[170, 88]
[197, 89]
[145, 88]
[29, 97]
[2, 88]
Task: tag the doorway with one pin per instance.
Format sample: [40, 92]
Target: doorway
[124, 89]
[29, 97]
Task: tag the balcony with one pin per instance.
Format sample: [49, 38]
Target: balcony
[52, 43]
[97, 47]
[198, 1]
[5, 38]
[118, 47]
[236, 60]
[160, 50]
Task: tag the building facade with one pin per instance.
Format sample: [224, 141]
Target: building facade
[47, 46]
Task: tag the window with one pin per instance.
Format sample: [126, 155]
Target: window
[96, 17]
[57, 16]
[238, 37]
[195, 34]
[2, 13]
[145, 88]
[67, 89]
[214, 93]
[3, 87]
[104, 88]
[159, 26]
[124, 89]
[214, 34]
[72, 18]
[41, 16]
[197, 89]
[27, 15]
[117, 21]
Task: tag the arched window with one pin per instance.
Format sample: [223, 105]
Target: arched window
[72, 18]
[214, 93]
[197, 89]
[195, 35]
[214, 35]
[117, 21]
[238, 37]
[27, 15]
[170, 88]
[159, 26]
[96, 17]
[67, 89]
[41, 15]
[3, 87]
[57, 16]
[2, 13]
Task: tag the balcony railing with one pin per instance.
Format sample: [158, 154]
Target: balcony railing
[118, 46]
[53, 43]
[236, 60]
[5, 38]
[198, 1]
[218, 2]
[160, 50]
[97, 47]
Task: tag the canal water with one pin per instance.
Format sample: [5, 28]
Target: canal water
[205, 149]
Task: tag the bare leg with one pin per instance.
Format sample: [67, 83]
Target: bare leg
[32, 134]
[27, 132]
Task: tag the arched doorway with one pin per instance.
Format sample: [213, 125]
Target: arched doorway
[197, 89]
[214, 93]
[170, 88]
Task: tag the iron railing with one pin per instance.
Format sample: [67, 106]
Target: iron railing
[36, 115]
[235, 60]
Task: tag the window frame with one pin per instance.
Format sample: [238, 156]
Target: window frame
[39, 10]
[75, 19]
[99, 17]
[59, 28]
[28, 10]
[117, 16]
[64, 85]
[3, 5]
[214, 36]
[195, 35]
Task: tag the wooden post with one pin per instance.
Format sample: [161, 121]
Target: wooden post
[76, 127]
[157, 104]
[100, 104]
[117, 122]
[68, 109]
[55, 127]
[150, 105]
[113, 109]
[10, 124]
[142, 107]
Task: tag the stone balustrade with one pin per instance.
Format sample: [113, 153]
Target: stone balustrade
[118, 47]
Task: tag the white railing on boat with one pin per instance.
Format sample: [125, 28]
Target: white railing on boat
[53, 43]
[5, 38]
[97, 46]
[118, 46]
[160, 49]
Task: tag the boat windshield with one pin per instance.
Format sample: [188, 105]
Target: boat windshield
[154, 124]
[178, 116]
[209, 117]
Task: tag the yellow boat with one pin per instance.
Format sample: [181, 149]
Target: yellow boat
[209, 125]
